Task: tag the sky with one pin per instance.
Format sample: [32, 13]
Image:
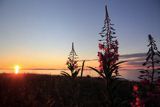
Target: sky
[39, 33]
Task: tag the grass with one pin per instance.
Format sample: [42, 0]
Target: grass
[32, 90]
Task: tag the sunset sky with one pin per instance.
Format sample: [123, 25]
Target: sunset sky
[39, 33]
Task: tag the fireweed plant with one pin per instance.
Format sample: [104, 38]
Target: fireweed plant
[152, 60]
[73, 67]
[108, 57]
[149, 81]
[108, 52]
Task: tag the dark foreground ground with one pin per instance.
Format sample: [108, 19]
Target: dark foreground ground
[30, 90]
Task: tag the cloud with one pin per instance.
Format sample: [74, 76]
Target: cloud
[134, 61]
[135, 55]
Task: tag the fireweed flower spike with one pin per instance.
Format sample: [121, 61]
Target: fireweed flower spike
[72, 64]
[152, 60]
[108, 57]
[108, 51]
[149, 78]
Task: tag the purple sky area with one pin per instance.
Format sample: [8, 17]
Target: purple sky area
[43, 30]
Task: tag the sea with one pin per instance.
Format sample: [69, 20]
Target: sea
[126, 74]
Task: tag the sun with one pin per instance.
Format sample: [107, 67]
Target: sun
[16, 68]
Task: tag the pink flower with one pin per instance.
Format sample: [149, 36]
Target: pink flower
[106, 49]
[137, 99]
[116, 49]
[110, 54]
[100, 56]
[101, 46]
[75, 66]
[101, 68]
[135, 88]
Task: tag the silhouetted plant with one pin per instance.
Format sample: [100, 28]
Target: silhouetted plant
[149, 81]
[73, 67]
[153, 58]
[108, 54]
[72, 64]
[108, 57]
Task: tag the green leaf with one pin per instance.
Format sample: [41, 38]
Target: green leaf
[113, 69]
[116, 64]
[142, 72]
[100, 73]
[158, 53]
[107, 72]
[74, 75]
[140, 77]
[82, 68]
[64, 73]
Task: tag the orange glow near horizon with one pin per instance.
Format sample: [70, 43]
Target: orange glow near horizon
[32, 61]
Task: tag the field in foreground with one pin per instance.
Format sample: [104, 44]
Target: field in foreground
[30, 90]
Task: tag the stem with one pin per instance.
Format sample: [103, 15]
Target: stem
[152, 58]
[82, 68]
[152, 71]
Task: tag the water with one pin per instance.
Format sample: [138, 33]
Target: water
[127, 74]
[130, 74]
[51, 72]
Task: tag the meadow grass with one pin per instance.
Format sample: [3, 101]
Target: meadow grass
[32, 90]
[37, 90]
